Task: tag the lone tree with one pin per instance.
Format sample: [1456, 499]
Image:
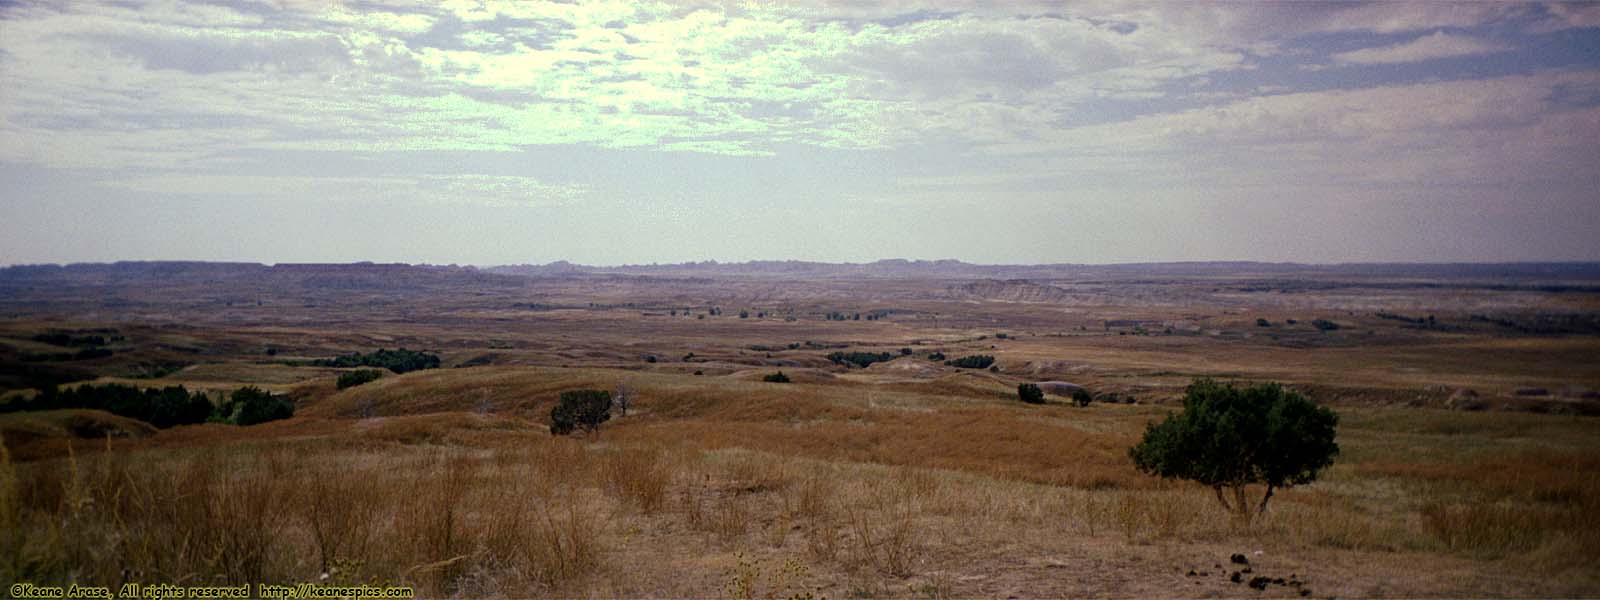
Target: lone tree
[580, 409]
[1232, 437]
[1030, 393]
[778, 377]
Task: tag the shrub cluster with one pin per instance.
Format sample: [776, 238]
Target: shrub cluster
[84, 354]
[399, 361]
[250, 405]
[778, 377]
[161, 407]
[976, 361]
[351, 379]
[860, 359]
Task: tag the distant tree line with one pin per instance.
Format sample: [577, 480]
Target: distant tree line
[58, 338]
[161, 407]
[83, 354]
[399, 361]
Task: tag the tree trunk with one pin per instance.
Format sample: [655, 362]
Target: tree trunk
[1264, 500]
[1221, 499]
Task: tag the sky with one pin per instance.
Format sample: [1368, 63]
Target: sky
[629, 133]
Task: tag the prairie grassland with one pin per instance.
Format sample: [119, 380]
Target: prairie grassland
[724, 487]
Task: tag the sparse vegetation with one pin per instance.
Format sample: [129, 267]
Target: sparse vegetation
[903, 479]
[778, 377]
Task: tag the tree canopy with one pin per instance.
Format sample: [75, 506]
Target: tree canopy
[1230, 437]
[580, 409]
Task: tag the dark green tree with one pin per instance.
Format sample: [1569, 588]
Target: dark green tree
[1030, 393]
[250, 405]
[580, 409]
[1228, 437]
[1082, 397]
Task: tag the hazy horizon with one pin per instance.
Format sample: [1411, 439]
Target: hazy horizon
[624, 134]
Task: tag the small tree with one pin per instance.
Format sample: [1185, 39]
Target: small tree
[250, 405]
[624, 396]
[1082, 397]
[580, 409]
[1229, 437]
[778, 377]
[1030, 393]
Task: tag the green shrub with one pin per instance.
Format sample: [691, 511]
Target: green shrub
[1030, 393]
[976, 361]
[161, 407]
[251, 405]
[778, 377]
[351, 379]
[860, 359]
[399, 361]
[1231, 437]
[580, 409]
[1082, 397]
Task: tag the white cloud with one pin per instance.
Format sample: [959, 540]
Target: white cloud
[1428, 47]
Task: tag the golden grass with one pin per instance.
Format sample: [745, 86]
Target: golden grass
[868, 489]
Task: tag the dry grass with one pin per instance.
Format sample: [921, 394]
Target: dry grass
[881, 493]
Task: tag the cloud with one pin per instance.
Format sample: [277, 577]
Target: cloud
[1502, 131]
[464, 189]
[1429, 47]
